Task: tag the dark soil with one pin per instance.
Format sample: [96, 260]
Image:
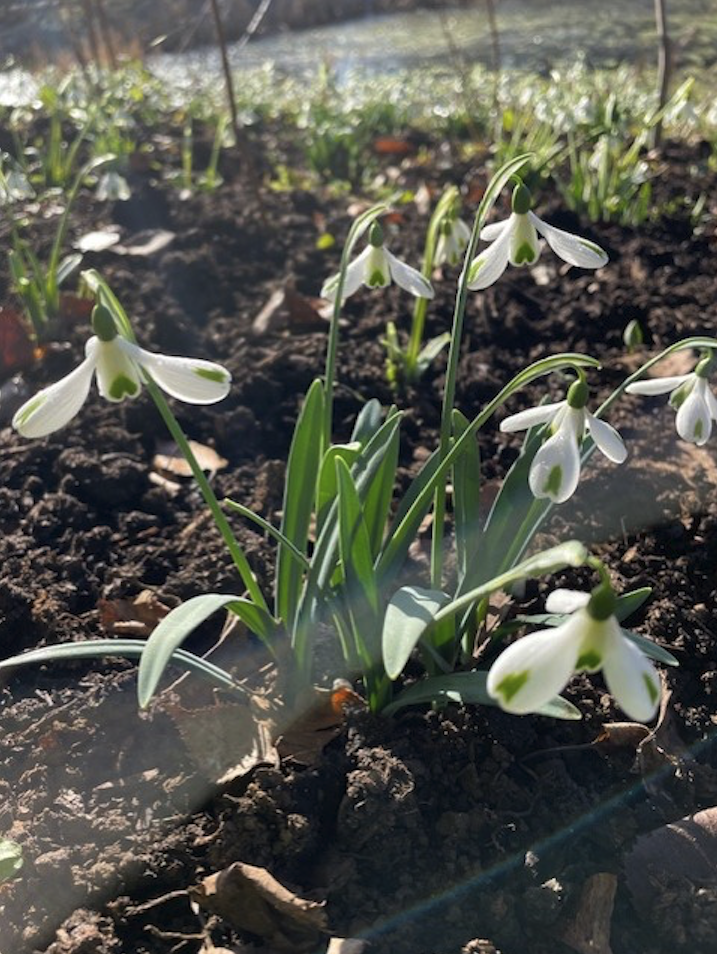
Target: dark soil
[424, 832]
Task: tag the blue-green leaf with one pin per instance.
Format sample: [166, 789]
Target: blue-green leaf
[410, 612]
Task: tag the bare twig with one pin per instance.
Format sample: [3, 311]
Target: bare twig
[228, 81]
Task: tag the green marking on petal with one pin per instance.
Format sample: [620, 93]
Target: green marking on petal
[475, 268]
[211, 374]
[30, 409]
[512, 684]
[591, 661]
[121, 386]
[592, 246]
[698, 431]
[525, 254]
[652, 690]
[376, 279]
[552, 485]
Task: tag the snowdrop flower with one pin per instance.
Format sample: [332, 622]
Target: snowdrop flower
[515, 240]
[555, 470]
[120, 366]
[452, 242]
[691, 395]
[14, 187]
[537, 667]
[376, 267]
[112, 187]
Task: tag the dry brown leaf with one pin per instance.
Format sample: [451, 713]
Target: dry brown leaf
[621, 735]
[308, 734]
[683, 850]
[227, 740]
[169, 459]
[589, 931]
[346, 945]
[146, 243]
[252, 900]
[136, 616]
[287, 308]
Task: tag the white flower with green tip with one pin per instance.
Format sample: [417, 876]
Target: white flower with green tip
[515, 240]
[120, 367]
[376, 267]
[690, 394]
[112, 187]
[452, 242]
[536, 668]
[555, 471]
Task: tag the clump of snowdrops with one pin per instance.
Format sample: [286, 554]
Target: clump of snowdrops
[342, 547]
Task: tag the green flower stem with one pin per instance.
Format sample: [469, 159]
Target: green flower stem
[502, 176]
[446, 202]
[237, 554]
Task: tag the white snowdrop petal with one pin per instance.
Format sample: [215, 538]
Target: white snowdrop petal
[462, 232]
[56, 405]
[571, 248]
[531, 417]
[408, 278]
[535, 669]
[117, 372]
[376, 270]
[487, 268]
[188, 379]
[555, 471]
[631, 678]
[352, 282]
[655, 386]
[694, 421]
[495, 229]
[711, 403]
[607, 439]
[524, 245]
[566, 601]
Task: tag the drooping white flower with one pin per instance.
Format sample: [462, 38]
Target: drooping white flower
[555, 471]
[537, 667]
[690, 394]
[120, 367]
[112, 187]
[376, 267]
[515, 240]
[452, 241]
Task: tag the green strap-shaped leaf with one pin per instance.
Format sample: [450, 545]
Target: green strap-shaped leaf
[177, 625]
[410, 612]
[127, 649]
[469, 688]
[629, 603]
[327, 487]
[379, 493]
[466, 499]
[299, 495]
[650, 649]
[354, 545]
[368, 422]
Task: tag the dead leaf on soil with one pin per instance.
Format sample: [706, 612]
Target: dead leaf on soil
[305, 738]
[146, 243]
[227, 740]
[169, 461]
[97, 241]
[589, 931]
[287, 308]
[136, 616]
[17, 349]
[346, 945]
[684, 850]
[252, 900]
[393, 146]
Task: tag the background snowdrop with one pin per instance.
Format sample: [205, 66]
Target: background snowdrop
[377, 267]
[690, 394]
[555, 471]
[515, 240]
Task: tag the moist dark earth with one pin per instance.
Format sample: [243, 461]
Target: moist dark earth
[433, 832]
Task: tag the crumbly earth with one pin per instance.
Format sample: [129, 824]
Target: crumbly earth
[428, 833]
